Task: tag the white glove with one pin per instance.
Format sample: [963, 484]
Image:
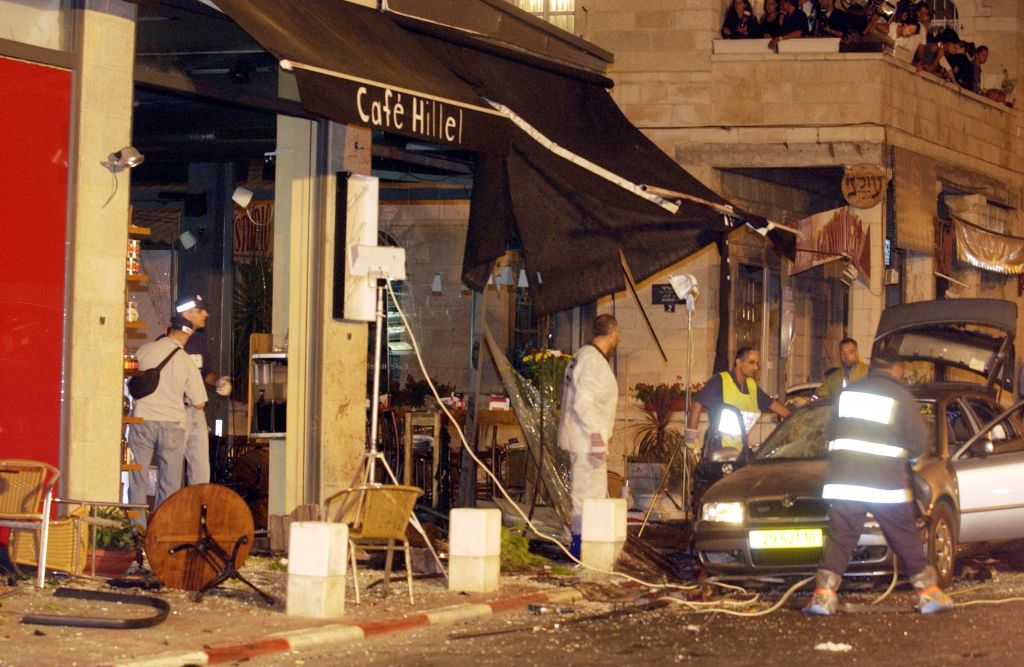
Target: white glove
[223, 386]
[690, 438]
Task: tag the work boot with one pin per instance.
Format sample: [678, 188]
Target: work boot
[930, 598]
[825, 601]
[575, 545]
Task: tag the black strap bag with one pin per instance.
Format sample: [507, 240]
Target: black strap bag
[140, 386]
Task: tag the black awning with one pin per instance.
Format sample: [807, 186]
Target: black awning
[354, 65]
[561, 167]
[571, 221]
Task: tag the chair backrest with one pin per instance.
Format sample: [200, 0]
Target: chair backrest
[385, 512]
[23, 484]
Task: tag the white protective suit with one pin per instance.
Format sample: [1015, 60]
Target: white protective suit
[589, 397]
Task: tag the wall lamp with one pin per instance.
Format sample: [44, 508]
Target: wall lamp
[243, 198]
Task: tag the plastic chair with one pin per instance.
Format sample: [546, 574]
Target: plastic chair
[377, 516]
[26, 492]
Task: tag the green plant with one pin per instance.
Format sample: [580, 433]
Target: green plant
[116, 533]
[515, 552]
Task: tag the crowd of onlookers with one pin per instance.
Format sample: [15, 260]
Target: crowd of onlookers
[906, 25]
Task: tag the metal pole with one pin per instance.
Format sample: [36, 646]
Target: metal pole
[376, 385]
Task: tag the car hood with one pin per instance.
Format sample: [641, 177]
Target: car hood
[799, 478]
[974, 335]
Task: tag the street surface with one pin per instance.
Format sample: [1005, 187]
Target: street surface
[600, 633]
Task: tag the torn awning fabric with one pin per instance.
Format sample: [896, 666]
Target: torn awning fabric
[355, 65]
[571, 221]
[558, 165]
[987, 250]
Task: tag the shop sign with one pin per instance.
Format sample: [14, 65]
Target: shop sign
[406, 113]
[863, 185]
[256, 236]
[833, 235]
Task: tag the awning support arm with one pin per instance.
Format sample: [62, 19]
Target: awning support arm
[632, 288]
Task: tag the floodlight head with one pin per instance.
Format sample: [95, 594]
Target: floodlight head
[126, 158]
[684, 285]
[242, 197]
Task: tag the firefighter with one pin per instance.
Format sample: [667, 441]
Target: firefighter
[876, 431]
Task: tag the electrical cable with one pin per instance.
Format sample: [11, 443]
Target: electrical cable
[466, 448]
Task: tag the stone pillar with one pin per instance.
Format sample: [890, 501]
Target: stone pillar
[603, 533]
[474, 550]
[317, 562]
[98, 247]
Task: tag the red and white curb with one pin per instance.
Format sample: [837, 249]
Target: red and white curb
[295, 640]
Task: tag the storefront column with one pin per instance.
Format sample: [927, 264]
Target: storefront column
[343, 358]
[95, 329]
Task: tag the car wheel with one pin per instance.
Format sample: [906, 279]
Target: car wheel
[942, 543]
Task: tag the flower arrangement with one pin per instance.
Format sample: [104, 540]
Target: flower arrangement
[545, 369]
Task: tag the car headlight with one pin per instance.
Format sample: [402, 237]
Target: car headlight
[722, 512]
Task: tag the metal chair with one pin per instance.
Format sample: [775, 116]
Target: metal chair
[26, 492]
[377, 516]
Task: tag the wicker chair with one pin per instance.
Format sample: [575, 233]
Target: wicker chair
[26, 492]
[377, 516]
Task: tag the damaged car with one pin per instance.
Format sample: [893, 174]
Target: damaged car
[768, 517]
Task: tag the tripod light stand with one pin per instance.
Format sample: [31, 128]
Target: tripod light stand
[685, 287]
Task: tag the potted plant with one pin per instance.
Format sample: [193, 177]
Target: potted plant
[117, 541]
[656, 436]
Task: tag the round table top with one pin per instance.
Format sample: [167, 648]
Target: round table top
[176, 522]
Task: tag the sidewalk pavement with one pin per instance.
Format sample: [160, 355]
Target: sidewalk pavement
[232, 623]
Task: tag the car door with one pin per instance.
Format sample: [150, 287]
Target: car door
[989, 469]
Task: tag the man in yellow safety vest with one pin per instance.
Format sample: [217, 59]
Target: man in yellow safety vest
[739, 389]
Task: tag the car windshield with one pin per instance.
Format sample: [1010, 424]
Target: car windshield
[802, 436]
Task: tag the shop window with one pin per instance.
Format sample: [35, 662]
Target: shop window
[45, 23]
[561, 13]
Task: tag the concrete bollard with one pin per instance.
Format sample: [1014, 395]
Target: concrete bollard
[603, 533]
[474, 550]
[317, 562]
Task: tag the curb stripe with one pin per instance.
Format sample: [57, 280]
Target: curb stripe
[327, 634]
[284, 642]
[459, 613]
[511, 603]
[245, 651]
[394, 625]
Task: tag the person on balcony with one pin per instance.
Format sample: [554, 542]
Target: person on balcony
[771, 20]
[794, 24]
[740, 22]
[833, 22]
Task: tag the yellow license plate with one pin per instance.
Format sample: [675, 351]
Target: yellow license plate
[785, 539]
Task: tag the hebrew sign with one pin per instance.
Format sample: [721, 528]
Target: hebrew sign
[863, 185]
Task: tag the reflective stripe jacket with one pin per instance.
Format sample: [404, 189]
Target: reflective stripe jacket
[876, 430]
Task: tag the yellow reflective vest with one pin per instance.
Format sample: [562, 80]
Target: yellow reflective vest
[746, 403]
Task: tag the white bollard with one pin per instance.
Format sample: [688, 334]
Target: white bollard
[474, 550]
[317, 562]
[603, 532]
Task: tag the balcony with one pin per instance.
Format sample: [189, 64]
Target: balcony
[811, 108]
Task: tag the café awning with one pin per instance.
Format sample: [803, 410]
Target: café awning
[559, 167]
[354, 65]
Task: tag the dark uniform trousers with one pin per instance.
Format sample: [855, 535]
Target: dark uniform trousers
[897, 521]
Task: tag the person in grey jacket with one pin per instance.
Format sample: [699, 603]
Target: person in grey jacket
[162, 432]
